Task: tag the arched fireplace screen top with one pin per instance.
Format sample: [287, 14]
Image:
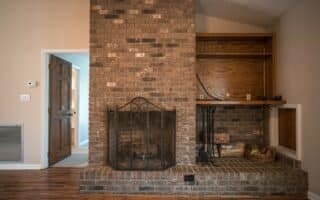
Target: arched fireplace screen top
[142, 136]
[140, 104]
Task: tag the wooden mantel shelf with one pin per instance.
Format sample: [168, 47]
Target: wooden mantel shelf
[243, 36]
[252, 103]
[232, 55]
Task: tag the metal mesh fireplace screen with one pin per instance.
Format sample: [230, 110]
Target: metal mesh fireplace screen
[142, 136]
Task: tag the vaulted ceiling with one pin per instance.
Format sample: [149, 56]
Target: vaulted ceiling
[256, 12]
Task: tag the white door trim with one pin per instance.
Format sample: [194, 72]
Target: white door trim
[44, 54]
[75, 117]
[274, 132]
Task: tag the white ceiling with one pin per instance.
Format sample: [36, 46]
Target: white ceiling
[257, 12]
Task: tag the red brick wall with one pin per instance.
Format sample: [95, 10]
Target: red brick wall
[142, 48]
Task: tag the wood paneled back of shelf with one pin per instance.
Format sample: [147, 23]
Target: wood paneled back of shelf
[237, 64]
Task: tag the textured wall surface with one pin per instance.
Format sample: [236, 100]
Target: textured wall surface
[142, 48]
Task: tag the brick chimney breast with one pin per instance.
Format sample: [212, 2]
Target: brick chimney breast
[126, 38]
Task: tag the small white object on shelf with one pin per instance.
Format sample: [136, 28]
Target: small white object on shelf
[248, 97]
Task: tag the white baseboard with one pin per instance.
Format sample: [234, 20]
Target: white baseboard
[19, 167]
[313, 196]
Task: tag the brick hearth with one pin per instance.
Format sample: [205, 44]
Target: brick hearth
[232, 176]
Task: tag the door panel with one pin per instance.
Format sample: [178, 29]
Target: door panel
[60, 112]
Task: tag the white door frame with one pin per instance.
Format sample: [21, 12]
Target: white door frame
[44, 105]
[274, 132]
[76, 120]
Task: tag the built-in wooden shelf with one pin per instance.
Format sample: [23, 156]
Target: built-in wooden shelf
[233, 36]
[253, 103]
[237, 62]
[232, 55]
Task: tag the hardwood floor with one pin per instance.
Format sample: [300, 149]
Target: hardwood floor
[63, 183]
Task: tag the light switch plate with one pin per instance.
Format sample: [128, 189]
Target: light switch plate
[25, 97]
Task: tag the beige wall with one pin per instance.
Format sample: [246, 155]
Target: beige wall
[26, 28]
[218, 25]
[297, 77]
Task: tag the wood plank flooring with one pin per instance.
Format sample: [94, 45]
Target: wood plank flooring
[63, 183]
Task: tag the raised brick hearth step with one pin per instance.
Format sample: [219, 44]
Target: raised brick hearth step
[234, 176]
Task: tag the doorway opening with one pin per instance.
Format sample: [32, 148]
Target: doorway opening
[68, 109]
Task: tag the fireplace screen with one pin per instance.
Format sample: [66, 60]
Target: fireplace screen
[141, 136]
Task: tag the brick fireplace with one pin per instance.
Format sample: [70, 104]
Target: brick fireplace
[147, 48]
[142, 48]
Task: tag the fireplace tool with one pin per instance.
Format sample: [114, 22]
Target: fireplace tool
[206, 152]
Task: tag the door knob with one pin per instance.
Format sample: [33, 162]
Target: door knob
[70, 114]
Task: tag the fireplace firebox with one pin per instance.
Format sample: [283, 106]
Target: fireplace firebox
[142, 136]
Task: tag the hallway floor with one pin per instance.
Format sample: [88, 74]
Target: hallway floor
[76, 160]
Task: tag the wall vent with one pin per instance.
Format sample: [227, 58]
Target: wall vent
[11, 143]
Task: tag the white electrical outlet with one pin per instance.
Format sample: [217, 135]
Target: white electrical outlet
[25, 98]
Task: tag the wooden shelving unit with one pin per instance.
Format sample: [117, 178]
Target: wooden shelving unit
[233, 55]
[237, 64]
[243, 36]
[233, 67]
[248, 103]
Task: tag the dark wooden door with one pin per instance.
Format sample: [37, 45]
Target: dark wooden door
[59, 109]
